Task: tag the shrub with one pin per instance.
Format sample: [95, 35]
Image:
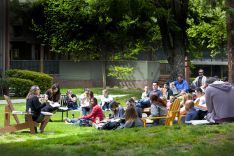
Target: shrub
[20, 86]
[44, 81]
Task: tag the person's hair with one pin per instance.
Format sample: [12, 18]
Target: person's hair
[210, 80]
[189, 104]
[56, 86]
[199, 90]
[130, 114]
[32, 92]
[94, 101]
[131, 102]
[180, 75]
[188, 96]
[201, 70]
[91, 94]
[56, 95]
[105, 91]
[157, 100]
[69, 91]
[114, 104]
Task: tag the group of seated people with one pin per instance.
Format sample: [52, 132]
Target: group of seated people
[36, 104]
[212, 100]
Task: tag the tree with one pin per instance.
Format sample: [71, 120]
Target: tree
[230, 42]
[207, 28]
[96, 29]
[172, 15]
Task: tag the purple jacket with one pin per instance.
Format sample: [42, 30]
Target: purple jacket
[220, 101]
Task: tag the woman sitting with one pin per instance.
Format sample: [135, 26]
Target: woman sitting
[117, 110]
[71, 100]
[95, 115]
[158, 106]
[85, 102]
[34, 107]
[106, 99]
[52, 96]
[131, 118]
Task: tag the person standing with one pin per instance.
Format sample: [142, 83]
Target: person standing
[200, 80]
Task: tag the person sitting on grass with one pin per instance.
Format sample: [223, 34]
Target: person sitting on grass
[200, 104]
[131, 102]
[96, 114]
[71, 100]
[85, 102]
[191, 111]
[131, 118]
[117, 110]
[34, 106]
[106, 99]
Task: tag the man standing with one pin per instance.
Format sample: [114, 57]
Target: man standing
[219, 101]
[200, 80]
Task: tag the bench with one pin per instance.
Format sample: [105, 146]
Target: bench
[9, 110]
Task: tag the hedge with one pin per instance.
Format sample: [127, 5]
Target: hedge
[44, 81]
[20, 86]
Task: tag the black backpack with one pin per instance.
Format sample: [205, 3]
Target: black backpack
[111, 125]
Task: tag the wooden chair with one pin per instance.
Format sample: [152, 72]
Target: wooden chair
[173, 112]
[9, 109]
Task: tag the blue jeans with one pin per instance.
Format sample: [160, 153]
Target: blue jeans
[143, 103]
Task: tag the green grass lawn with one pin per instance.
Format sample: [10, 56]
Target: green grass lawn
[62, 139]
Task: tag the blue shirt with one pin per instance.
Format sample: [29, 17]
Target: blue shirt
[191, 115]
[183, 85]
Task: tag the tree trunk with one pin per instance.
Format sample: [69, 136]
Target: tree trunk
[230, 37]
[174, 39]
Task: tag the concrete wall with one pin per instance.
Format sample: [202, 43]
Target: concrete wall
[89, 73]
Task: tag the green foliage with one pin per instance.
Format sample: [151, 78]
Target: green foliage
[96, 29]
[120, 73]
[44, 81]
[20, 86]
[207, 28]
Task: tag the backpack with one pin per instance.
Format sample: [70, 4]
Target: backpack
[111, 125]
[85, 123]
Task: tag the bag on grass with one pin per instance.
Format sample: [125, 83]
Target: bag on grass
[85, 123]
[111, 125]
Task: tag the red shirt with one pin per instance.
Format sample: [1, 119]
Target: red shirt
[96, 113]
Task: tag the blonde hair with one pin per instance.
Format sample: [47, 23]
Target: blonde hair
[32, 92]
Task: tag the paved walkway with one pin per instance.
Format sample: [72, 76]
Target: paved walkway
[23, 100]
